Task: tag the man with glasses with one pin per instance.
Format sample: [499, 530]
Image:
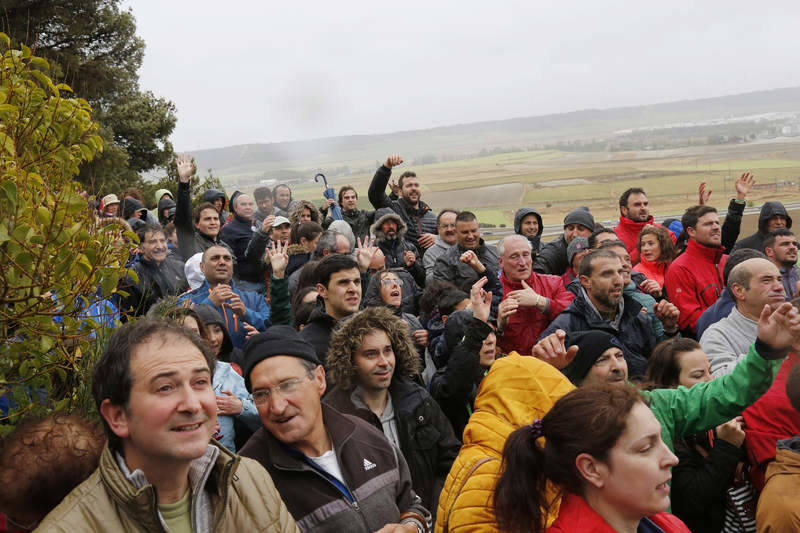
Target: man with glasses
[334, 471]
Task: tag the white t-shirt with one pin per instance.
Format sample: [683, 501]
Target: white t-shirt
[330, 464]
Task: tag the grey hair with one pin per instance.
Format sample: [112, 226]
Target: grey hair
[501, 246]
[327, 241]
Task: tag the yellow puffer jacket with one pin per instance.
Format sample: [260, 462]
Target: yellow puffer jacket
[517, 390]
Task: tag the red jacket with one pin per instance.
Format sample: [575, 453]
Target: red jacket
[652, 270]
[694, 281]
[769, 420]
[525, 326]
[628, 232]
[575, 516]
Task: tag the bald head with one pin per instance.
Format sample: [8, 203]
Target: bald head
[755, 283]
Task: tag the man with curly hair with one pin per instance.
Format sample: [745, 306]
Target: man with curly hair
[373, 363]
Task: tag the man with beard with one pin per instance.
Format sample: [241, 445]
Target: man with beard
[602, 305]
[418, 217]
[446, 226]
[634, 214]
[754, 284]
[400, 255]
[159, 273]
[781, 248]
[694, 280]
[373, 363]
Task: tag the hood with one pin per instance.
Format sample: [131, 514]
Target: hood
[787, 459]
[211, 196]
[516, 391]
[162, 192]
[456, 327]
[130, 206]
[372, 295]
[165, 203]
[522, 213]
[233, 197]
[295, 249]
[212, 316]
[381, 216]
[769, 210]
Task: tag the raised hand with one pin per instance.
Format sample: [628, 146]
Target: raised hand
[266, 226]
[365, 251]
[526, 296]
[507, 307]
[551, 349]
[393, 160]
[481, 300]
[278, 258]
[703, 194]
[779, 329]
[668, 314]
[185, 167]
[744, 185]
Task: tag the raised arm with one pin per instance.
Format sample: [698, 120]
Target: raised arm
[377, 189]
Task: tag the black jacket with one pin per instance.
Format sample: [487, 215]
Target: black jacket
[552, 258]
[359, 219]
[211, 196]
[426, 436]
[155, 282]
[420, 220]
[536, 241]
[756, 240]
[190, 241]
[318, 331]
[700, 482]
[237, 234]
[634, 331]
[449, 267]
[455, 385]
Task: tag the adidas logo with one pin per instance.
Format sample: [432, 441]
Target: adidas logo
[368, 465]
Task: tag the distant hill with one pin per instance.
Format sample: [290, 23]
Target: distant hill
[246, 164]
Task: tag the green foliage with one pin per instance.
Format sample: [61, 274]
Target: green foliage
[92, 46]
[56, 257]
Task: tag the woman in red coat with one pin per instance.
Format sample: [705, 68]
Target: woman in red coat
[656, 252]
[603, 448]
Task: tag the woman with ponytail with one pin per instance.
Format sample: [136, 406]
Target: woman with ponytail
[599, 450]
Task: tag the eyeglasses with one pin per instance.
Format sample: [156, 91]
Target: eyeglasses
[284, 388]
[388, 282]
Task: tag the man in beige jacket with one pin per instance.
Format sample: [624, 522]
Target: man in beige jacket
[160, 470]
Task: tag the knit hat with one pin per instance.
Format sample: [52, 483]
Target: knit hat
[591, 345]
[110, 199]
[277, 340]
[576, 245]
[580, 215]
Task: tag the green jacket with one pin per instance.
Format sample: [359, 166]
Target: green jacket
[683, 411]
[279, 301]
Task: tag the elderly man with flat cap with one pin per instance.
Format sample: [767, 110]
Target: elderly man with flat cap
[335, 472]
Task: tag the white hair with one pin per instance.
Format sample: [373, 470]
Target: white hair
[501, 246]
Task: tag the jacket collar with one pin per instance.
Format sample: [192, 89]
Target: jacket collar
[515, 285]
[479, 250]
[627, 223]
[706, 253]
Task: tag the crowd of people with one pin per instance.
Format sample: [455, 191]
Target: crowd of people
[279, 365]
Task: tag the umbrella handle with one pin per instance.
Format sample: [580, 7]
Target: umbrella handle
[324, 180]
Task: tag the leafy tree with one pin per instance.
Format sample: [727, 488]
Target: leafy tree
[92, 46]
[57, 259]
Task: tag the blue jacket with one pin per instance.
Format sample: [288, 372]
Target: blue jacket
[257, 314]
[226, 378]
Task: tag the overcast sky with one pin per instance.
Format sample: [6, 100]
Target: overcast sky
[247, 71]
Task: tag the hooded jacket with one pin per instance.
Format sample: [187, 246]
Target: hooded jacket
[634, 329]
[552, 258]
[418, 220]
[778, 511]
[394, 252]
[227, 353]
[516, 391]
[536, 243]
[211, 196]
[694, 282]
[524, 327]
[133, 208]
[756, 240]
[318, 330]
[376, 478]
[165, 203]
[229, 494]
[426, 436]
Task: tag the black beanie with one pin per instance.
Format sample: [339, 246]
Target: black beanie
[277, 340]
[591, 345]
[580, 215]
